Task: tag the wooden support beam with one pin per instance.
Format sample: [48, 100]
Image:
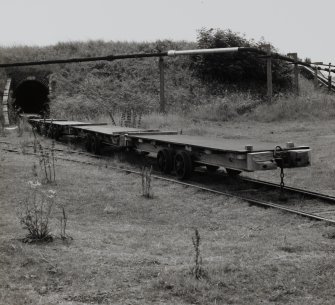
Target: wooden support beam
[316, 81]
[296, 72]
[329, 79]
[161, 85]
[269, 72]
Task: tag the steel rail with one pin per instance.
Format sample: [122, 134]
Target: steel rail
[202, 188]
[325, 197]
[313, 194]
[68, 151]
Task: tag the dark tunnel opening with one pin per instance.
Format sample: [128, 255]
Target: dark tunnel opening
[31, 96]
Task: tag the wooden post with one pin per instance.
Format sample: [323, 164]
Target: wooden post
[161, 85]
[316, 82]
[296, 73]
[329, 78]
[269, 73]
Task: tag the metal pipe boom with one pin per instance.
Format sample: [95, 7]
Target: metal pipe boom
[129, 56]
[214, 51]
[162, 54]
[82, 59]
[202, 51]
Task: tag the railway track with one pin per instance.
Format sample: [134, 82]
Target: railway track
[305, 203]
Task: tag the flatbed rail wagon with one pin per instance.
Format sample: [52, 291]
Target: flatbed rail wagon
[181, 153]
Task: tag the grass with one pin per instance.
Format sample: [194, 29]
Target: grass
[127, 249]
[215, 111]
[310, 105]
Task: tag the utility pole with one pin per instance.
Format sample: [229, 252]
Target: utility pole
[329, 78]
[269, 72]
[316, 68]
[296, 72]
[161, 85]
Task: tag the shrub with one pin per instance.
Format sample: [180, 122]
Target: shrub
[47, 162]
[239, 70]
[146, 182]
[34, 212]
[197, 270]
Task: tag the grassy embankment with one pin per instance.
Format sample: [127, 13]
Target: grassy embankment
[94, 90]
[129, 249]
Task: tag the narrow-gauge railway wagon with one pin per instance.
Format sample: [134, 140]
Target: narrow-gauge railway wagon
[55, 128]
[181, 153]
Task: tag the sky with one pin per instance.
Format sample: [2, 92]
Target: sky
[302, 26]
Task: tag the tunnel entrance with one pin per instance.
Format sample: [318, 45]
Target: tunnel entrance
[31, 96]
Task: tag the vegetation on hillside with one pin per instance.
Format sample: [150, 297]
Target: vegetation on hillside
[214, 87]
[238, 71]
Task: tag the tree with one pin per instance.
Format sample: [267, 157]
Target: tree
[245, 70]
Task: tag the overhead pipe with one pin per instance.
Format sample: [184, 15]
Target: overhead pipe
[214, 51]
[83, 59]
[162, 54]
[136, 55]
[202, 51]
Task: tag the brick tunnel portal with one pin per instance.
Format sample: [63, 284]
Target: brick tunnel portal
[31, 96]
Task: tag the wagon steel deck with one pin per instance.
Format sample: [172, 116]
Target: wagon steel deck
[215, 144]
[56, 128]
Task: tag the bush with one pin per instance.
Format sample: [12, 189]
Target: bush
[242, 70]
[35, 211]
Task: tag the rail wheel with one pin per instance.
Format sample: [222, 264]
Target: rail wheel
[212, 168]
[165, 161]
[232, 172]
[38, 129]
[96, 145]
[55, 133]
[44, 130]
[183, 165]
[88, 143]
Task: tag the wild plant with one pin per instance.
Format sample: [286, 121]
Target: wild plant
[146, 182]
[20, 127]
[63, 223]
[2, 129]
[24, 145]
[47, 162]
[197, 270]
[2, 125]
[35, 142]
[35, 211]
